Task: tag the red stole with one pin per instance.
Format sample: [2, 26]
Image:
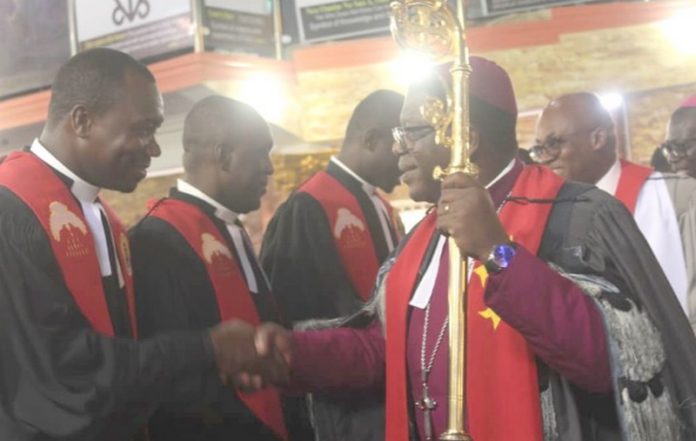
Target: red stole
[633, 176]
[61, 217]
[502, 389]
[233, 297]
[349, 230]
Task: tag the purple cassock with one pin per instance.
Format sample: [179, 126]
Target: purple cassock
[560, 323]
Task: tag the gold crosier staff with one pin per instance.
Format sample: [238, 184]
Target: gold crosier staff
[430, 27]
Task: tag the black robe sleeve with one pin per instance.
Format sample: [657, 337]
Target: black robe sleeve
[302, 263]
[60, 380]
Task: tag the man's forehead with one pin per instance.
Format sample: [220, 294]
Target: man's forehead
[411, 110]
[144, 98]
[553, 120]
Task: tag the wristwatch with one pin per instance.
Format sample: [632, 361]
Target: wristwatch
[501, 257]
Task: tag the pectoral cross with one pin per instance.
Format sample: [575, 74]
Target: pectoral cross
[427, 405]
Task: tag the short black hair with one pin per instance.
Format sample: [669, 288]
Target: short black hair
[211, 121]
[378, 107]
[93, 78]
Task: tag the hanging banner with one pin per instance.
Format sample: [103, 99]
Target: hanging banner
[142, 28]
[320, 20]
[505, 6]
[34, 42]
[239, 26]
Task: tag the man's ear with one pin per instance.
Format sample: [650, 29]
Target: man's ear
[223, 156]
[600, 137]
[81, 120]
[371, 139]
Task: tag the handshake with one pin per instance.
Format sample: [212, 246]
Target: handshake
[250, 358]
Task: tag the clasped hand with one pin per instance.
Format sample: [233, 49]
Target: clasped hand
[252, 358]
[466, 213]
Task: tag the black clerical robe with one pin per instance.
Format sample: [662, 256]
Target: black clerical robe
[60, 379]
[175, 293]
[300, 255]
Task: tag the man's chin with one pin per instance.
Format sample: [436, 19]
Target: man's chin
[126, 188]
[122, 185]
[247, 207]
[423, 193]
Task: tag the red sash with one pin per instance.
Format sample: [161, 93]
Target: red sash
[231, 291]
[502, 389]
[61, 217]
[349, 230]
[633, 176]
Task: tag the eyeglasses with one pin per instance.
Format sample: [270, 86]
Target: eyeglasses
[675, 150]
[551, 148]
[402, 135]
[548, 149]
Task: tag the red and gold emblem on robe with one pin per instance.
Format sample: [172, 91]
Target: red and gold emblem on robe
[68, 230]
[216, 254]
[349, 230]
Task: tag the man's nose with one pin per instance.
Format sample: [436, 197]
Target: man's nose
[153, 149]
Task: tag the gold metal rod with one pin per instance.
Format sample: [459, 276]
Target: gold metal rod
[458, 276]
[430, 26]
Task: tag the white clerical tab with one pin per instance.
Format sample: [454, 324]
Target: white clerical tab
[424, 291]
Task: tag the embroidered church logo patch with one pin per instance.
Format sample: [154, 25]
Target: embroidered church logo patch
[345, 219]
[212, 247]
[64, 224]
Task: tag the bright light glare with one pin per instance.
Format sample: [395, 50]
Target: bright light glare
[411, 67]
[265, 93]
[611, 101]
[680, 30]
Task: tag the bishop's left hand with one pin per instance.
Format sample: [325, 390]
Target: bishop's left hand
[466, 213]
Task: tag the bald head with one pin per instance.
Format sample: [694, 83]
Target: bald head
[215, 119]
[367, 148]
[580, 110]
[226, 152]
[575, 137]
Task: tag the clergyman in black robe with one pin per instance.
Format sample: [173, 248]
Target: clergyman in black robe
[227, 164]
[304, 247]
[70, 368]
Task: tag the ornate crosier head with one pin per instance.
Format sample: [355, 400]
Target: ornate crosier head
[425, 26]
[430, 27]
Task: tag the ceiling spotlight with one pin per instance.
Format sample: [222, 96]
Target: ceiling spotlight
[411, 67]
[265, 93]
[680, 30]
[611, 100]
